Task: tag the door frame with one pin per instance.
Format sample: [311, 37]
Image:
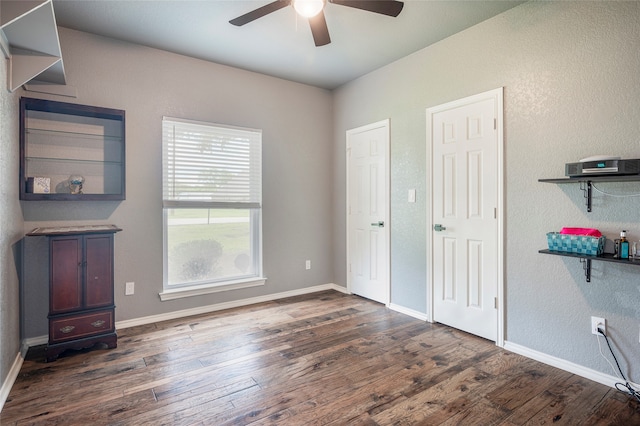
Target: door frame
[387, 201]
[497, 95]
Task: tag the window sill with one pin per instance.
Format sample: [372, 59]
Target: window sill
[179, 293]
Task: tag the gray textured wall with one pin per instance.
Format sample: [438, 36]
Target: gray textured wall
[571, 77]
[572, 89]
[148, 83]
[10, 228]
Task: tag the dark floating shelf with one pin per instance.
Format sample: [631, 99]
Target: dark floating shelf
[586, 260]
[586, 183]
[624, 178]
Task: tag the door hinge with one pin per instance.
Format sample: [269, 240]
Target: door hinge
[495, 123]
[495, 213]
[495, 303]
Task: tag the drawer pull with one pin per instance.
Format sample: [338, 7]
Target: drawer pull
[98, 323]
[68, 329]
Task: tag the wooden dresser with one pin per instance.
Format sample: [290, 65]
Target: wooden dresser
[81, 297]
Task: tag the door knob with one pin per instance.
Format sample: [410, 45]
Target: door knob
[378, 224]
[437, 227]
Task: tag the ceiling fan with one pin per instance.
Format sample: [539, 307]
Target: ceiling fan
[314, 11]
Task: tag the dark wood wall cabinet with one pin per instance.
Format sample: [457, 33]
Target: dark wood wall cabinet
[81, 297]
[71, 152]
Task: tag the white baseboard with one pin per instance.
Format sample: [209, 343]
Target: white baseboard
[226, 305]
[11, 379]
[34, 341]
[412, 313]
[565, 365]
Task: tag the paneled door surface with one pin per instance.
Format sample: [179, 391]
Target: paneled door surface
[464, 137]
[368, 211]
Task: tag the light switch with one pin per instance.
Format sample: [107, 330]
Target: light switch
[412, 195]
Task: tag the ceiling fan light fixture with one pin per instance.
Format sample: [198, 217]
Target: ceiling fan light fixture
[308, 8]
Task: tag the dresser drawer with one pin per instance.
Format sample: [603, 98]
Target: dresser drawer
[80, 325]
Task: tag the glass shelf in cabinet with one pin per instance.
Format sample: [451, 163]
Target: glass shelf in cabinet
[81, 135]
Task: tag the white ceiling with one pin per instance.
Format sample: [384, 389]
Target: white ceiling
[279, 44]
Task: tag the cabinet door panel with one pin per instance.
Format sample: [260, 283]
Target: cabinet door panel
[99, 269]
[66, 278]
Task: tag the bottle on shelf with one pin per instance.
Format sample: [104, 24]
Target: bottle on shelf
[624, 245]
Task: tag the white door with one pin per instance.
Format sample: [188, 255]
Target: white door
[466, 189]
[368, 211]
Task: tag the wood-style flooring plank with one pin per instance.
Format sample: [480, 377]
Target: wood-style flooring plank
[318, 359]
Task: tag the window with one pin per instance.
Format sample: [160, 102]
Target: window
[212, 194]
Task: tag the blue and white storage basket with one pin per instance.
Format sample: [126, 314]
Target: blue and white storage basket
[578, 244]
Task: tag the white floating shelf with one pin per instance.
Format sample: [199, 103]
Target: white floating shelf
[30, 42]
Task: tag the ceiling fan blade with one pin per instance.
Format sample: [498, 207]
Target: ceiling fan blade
[319, 29]
[259, 12]
[385, 7]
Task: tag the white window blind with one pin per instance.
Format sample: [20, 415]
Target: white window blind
[209, 165]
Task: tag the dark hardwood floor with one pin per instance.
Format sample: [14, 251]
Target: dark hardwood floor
[320, 359]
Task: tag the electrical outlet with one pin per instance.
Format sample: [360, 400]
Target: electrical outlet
[129, 288]
[307, 264]
[598, 322]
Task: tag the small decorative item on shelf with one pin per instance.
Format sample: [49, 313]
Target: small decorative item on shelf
[75, 184]
[39, 185]
[623, 245]
[577, 240]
